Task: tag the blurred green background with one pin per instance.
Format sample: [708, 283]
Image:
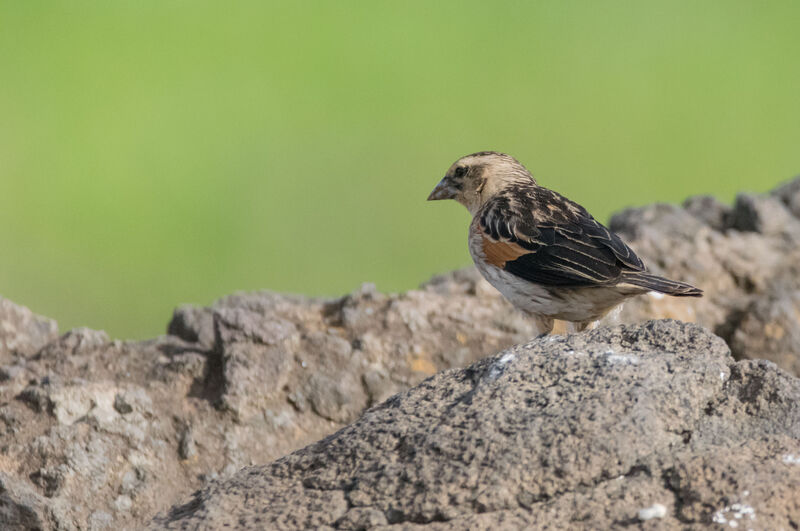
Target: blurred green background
[159, 152]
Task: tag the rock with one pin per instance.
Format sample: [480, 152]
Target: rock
[655, 511]
[108, 433]
[37, 398]
[253, 375]
[745, 259]
[596, 431]
[239, 324]
[192, 324]
[709, 210]
[762, 214]
[100, 520]
[22, 331]
[769, 327]
[334, 398]
[20, 508]
[121, 405]
[112, 432]
[789, 194]
[76, 341]
[378, 385]
[187, 448]
[72, 403]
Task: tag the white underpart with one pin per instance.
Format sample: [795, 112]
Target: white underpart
[570, 305]
[656, 295]
[522, 294]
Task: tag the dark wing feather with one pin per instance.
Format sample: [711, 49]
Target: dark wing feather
[565, 245]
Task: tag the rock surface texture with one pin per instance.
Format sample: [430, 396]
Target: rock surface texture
[615, 427]
[102, 434]
[746, 258]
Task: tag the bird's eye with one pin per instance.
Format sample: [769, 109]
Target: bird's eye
[460, 171]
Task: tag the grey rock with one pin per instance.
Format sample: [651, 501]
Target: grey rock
[187, 449]
[76, 341]
[762, 214]
[192, 324]
[362, 518]
[745, 259]
[122, 406]
[90, 424]
[22, 331]
[37, 398]
[709, 209]
[241, 324]
[253, 374]
[789, 194]
[20, 507]
[769, 327]
[108, 433]
[339, 398]
[379, 385]
[11, 372]
[100, 520]
[582, 431]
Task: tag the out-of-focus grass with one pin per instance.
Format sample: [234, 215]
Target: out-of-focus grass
[165, 151]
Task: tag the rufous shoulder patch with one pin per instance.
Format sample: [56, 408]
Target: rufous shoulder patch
[498, 253]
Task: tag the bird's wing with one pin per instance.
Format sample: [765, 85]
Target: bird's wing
[541, 236]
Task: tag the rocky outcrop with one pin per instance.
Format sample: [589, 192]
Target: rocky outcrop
[103, 434]
[22, 331]
[747, 259]
[595, 431]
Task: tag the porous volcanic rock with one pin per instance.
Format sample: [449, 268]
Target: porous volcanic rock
[103, 434]
[614, 427]
[100, 434]
[22, 331]
[746, 258]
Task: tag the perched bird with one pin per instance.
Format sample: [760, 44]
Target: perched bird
[546, 254]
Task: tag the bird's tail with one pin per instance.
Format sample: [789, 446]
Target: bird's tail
[662, 285]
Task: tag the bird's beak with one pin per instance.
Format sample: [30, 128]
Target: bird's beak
[443, 190]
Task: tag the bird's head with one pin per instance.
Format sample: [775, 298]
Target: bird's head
[476, 178]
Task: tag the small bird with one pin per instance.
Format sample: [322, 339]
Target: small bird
[546, 254]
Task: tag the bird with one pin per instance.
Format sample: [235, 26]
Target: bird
[543, 252]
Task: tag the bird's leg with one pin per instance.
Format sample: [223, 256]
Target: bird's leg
[583, 325]
[544, 325]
